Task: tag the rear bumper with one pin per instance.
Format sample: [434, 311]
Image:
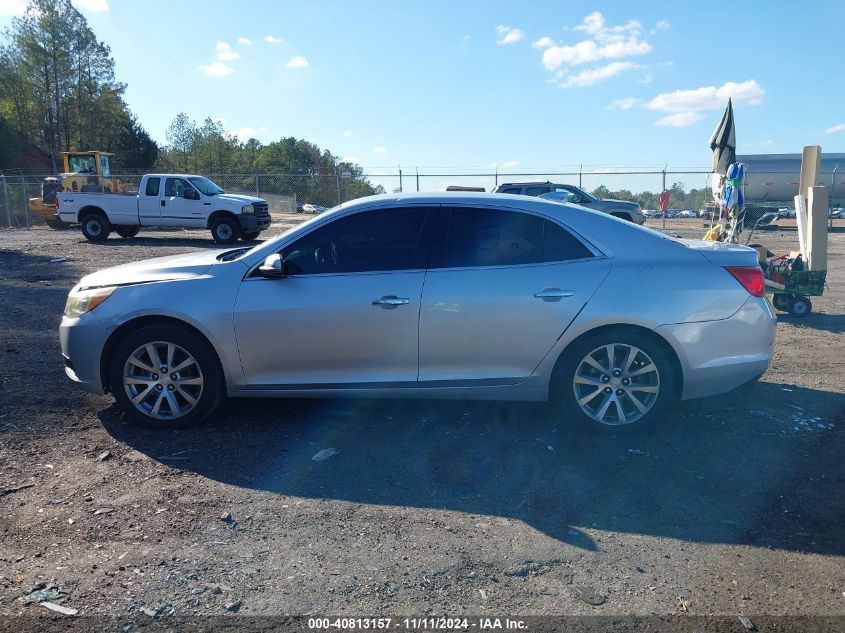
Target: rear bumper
[719, 356]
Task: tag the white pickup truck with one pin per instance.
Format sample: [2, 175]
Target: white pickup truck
[166, 200]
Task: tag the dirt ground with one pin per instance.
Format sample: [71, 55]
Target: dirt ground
[733, 506]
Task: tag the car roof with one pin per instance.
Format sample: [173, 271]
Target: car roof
[534, 182]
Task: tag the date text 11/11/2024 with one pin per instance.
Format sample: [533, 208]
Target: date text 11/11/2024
[416, 624]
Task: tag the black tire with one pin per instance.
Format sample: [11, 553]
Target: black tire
[211, 390]
[248, 237]
[563, 387]
[800, 307]
[56, 223]
[782, 302]
[95, 227]
[225, 230]
[127, 231]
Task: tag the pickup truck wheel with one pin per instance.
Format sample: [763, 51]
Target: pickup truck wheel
[95, 227]
[225, 231]
[248, 237]
[127, 231]
[165, 376]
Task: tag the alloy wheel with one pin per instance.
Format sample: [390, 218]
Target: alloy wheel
[616, 384]
[162, 380]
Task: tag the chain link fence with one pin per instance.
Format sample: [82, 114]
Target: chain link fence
[689, 189]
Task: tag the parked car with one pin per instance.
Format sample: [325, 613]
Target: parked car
[478, 296]
[686, 213]
[166, 200]
[575, 195]
[314, 208]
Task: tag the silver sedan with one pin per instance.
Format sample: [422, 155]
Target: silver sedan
[456, 295]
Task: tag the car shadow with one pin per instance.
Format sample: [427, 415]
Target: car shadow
[752, 468]
[834, 323]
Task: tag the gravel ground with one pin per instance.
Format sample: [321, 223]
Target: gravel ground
[734, 506]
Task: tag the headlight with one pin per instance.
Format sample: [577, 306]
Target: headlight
[78, 303]
[247, 208]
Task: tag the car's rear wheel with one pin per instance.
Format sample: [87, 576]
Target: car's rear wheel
[249, 236]
[95, 227]
[617, 380]
[165, 376]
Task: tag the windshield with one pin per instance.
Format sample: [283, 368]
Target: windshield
[284, 234]
[82, 164]
[205, 186]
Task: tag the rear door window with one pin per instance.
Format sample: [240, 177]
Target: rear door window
[559, 245]
[537, 190]
[153, 185]
[516, 190]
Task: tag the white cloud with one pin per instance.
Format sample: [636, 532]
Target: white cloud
[12, 7]
[351, 159]
[216, 69]
[379, 150]
[592, 75]
[94, 6]
[245, 41]
[508, 35]
[244, 133]
[263, 129]
[347, 133]
[297, 62]
[768, 141]
[662, 25]
[272, 39]
[625, 104]
[840, 127]
[590, 51]
[543, 42]
[645, 79]
[510, 163]
[679, 119]
[225, 52]
[666, 63]
[708, 97]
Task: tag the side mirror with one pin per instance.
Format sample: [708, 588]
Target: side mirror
[190, 194]
[273, 266]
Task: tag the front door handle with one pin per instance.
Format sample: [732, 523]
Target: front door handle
[553, 294]
[391, 301]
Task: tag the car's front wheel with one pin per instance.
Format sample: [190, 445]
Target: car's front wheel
[165, 376]
[615, 380]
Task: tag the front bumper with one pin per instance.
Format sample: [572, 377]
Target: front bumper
[82, 342]
[719, 356]
[254, 222]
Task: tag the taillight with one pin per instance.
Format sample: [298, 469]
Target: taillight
[751, 278]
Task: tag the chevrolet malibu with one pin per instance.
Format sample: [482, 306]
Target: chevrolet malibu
[455, 295]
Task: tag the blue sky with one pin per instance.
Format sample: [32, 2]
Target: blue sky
[470, 84]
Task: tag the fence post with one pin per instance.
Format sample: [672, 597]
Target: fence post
[497, 177]
[6, 198]
[662, 190]
[418, 179]
[337, 180]
[257, 195]
[580, 170]
[400, 180]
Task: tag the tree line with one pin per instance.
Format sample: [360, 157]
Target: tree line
[58, 91]
[679, 198]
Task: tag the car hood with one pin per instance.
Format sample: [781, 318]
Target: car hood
[236, 197]
[176, 267]
[615, 204]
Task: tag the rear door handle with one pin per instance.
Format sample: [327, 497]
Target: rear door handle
[553, 294]
[163, 202]
[391, 301]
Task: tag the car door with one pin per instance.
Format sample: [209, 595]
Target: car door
[149, 208]
[502, 287]
[176, 210]
[347, 313]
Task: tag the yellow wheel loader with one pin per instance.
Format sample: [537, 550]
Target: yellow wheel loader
[83, 171]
